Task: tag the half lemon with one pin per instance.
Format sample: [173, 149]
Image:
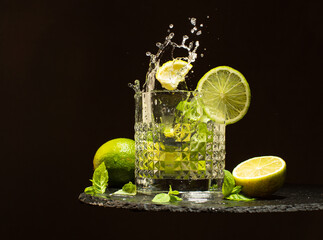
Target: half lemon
[260, 176]
[171, 73]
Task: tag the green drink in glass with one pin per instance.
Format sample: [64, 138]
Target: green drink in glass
[180, 134]
[176, 144]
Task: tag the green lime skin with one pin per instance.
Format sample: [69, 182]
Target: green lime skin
[119, 157]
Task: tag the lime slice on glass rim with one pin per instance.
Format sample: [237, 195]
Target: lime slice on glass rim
[225, 94]
[171, 73]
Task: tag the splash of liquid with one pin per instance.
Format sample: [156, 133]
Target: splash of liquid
[155, 59]
[135, 86]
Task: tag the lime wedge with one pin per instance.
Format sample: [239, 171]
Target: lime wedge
[171, 73]
[260, 176]
[225, 94]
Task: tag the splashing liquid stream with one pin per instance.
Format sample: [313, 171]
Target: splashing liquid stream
[155, 63]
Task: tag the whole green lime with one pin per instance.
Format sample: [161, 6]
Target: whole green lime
[119, 157]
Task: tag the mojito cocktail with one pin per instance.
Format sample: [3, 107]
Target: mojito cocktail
[180, 134]
[176, 144]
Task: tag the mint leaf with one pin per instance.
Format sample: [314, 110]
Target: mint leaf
[161, 198]
[167, 197]
[236, 189]
[196, 111]
[171, 192]
[214, 187]
[189, 110]
[101, 195]
[230, 191]
[181, 105]
[174, 198]
[239, 197]
[99, 181]
[89, 190]
[228, 183]
[121, 192]
[129, 188]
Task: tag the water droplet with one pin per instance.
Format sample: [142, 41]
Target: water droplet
[207, 17]
[193, 21]
[171, 25]
[190, 45]
[148, 54]
[135, 86]
[158, 45]
[170, 36]
[199, 32]
[185, 37]
[202, 55]
[201, 25]
[193, 29]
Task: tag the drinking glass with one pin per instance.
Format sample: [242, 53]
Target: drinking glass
[177, 145]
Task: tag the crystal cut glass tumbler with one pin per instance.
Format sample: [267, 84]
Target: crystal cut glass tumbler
[176, 144]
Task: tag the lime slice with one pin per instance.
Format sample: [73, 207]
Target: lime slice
[260, 176]
[171, 73]
[225, 94]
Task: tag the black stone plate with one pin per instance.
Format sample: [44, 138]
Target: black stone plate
[290, 198]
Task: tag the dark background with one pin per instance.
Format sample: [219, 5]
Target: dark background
[64, 73]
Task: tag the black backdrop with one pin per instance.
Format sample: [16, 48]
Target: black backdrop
[64, 70]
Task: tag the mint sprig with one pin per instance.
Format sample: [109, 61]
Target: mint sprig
[190, 110]
[161, 198]
[228, 184]
[127, 189]
[230, 191]
[239, 197]
[99, 181]
[167, 197]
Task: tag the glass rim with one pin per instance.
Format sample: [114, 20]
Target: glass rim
[168, 91]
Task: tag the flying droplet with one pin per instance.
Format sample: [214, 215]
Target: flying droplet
[185, 37]
[170, 36]
[193, 29]
[193, 21]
